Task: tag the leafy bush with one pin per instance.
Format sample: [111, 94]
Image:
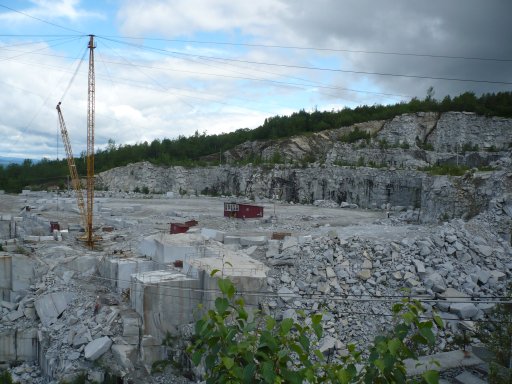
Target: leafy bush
[235, 346]
[354, 136]
[425, 146]
[497, 336]
[469, 147]
[446, 169]
[383, 144]
[5, 377]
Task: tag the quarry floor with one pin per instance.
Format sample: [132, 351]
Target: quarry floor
[135, 217]
[144, 215]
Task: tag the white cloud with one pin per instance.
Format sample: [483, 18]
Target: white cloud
[50, 10]
[188, 17]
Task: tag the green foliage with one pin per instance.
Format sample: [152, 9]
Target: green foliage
[21, 250]
[276, 158]
[469, 147]
[485, 168]
[425, 146]
[383, 144]
[5, 377]
[342, 163]
[81, 378]
[446, 169]
[404, 145]
[159, 366]
[309, 158]
[145, 190]
[136, 189]
[354, 136]
[373, 164]
[234, 346]
[445, 217]
[497, 336]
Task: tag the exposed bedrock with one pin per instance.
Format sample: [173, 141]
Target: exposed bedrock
[439, 197]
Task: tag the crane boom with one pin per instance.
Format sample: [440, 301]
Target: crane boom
[75, 180]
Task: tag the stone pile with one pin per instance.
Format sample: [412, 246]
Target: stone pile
[458, 269]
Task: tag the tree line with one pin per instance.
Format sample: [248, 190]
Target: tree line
[202, 149]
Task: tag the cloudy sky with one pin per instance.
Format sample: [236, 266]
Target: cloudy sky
[166, 68]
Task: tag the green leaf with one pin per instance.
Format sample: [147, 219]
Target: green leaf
[270, 323]
[316, 318]
[397, 307]
[221, 304]
[231, 290]
[224, 285]
[248, 373]
[380, 364]
[305, 342]
[318, 330]
[431, 376]
[439, 321]
[228, 362]
[210, 362]
[409, 317]
[401, 331]
[428, 334]
[196, 357]
[286, 325]
[319, 354]
[212, 273]
[267, 371]
[268, 340]
[394, 346]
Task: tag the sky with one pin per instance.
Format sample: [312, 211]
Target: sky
[165, 68]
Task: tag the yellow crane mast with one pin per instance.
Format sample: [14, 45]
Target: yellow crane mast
[75, 180]
[90, 143]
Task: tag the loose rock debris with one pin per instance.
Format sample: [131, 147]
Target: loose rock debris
[83, 324]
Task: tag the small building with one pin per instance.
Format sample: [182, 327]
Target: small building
[242, 211]
[181, 227]
[54, 226]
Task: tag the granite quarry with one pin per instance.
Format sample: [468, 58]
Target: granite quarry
[336, 237]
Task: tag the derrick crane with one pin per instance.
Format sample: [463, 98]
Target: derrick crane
[90, 143]
[75, 180]
[86, 211]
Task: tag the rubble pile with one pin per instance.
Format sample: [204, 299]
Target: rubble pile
[458, 269]
[63, 319]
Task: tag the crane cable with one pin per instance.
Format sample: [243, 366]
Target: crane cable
[74, 74]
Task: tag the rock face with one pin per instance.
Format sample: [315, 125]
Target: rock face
[377, 173]
[459, 128]
[409, 128]
[438, 197]
[396, 142]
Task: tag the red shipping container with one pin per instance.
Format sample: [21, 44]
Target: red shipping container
[242, 211]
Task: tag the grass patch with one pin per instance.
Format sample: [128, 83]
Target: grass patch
[446, 169]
